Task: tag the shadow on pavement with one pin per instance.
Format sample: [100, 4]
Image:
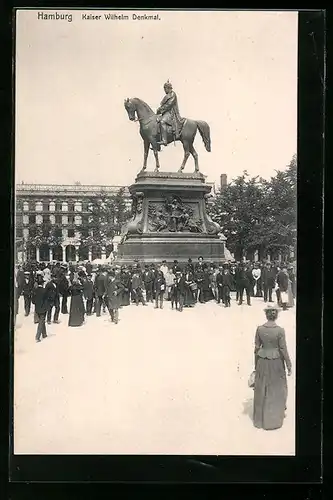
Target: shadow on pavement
[248, 408]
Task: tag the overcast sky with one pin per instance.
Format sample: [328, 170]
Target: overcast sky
[235, 70]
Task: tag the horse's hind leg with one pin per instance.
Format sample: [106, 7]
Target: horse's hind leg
[186, 147]
[195, 157]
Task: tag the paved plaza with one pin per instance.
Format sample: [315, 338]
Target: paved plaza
[159, 382]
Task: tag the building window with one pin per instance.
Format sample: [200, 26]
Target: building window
[32, 219]
[52, 206]
[64, 233]
[78, 220]
[78, 206]
[39, 206]
[64, 219]
[52, 219]
[64, 206]
[19, 220]
[25, 234]
[71, 233]
[25, 206]
[84, 233]
[58, 219]
[19, 233]
[25, 219]
[39, 219]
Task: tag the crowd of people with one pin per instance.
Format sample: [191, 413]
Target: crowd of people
[107, 288]
[97, 289]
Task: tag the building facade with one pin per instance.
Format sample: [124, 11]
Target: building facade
[64, 209]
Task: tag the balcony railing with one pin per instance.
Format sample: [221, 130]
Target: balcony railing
[65, 188]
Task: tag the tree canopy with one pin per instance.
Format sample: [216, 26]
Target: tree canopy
[258, 214]
[107, 214]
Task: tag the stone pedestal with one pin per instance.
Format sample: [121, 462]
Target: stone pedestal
[169, 220]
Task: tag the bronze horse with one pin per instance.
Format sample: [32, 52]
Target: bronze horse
[150, 132]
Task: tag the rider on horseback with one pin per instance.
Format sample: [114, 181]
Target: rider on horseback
[169, 114]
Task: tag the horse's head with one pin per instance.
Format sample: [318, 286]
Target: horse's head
[130, 108]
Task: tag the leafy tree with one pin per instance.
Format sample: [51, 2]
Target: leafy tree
[281, 224]
[256, 214]
[237, 208]
[44, 233]
[106, 216]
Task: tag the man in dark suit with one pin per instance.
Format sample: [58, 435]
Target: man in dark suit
[199, 276]
[136, 286]
[246, 282]
[39, 299]
[219, 285]
[200, 264]
[176, 267]
[113, 291]
[179, 291]
[99, 291]
[226, 286]
[88, 292]
[148, 280]
[63, 287]
[27, 288]
[159, 289]
[268, 282]
[89, 267]
[53, 299]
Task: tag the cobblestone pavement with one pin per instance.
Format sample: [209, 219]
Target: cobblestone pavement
[159, 382]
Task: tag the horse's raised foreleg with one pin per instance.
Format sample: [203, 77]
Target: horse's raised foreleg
[156, 160]
[195, 157]
[146, 152]
[186, 147]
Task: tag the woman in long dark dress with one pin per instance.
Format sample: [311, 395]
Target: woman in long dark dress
[207, 286]
[270, 385]
[190, 288]
[77, 310]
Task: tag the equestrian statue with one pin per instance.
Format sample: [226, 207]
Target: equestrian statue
[166, 126]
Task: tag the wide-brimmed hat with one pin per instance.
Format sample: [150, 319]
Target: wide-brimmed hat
[272, 307]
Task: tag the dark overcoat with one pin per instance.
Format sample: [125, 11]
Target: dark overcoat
[113, 291]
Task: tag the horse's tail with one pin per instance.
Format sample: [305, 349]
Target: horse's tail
[205, 134]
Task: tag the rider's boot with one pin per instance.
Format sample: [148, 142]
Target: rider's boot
[164, 136]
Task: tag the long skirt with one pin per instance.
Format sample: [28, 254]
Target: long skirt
[290, 302]
[270, 394]
[207, 294]
[125, 298]
[189, 299]
[76, 312]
